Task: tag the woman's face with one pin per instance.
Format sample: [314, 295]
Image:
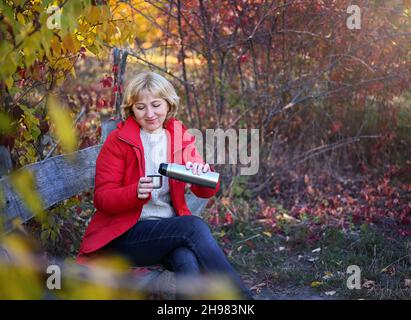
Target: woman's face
[150, 112]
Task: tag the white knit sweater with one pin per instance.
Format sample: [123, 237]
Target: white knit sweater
[155, 152]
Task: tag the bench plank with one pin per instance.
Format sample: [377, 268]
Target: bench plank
[56, 179]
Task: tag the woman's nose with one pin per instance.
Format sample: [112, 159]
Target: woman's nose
[149, 113]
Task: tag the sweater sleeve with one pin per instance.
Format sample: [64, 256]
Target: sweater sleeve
[110, 196]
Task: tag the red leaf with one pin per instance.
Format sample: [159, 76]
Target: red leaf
[336, 126]
[107, 82]
[228, 219]
[101, 103]
[243, 58]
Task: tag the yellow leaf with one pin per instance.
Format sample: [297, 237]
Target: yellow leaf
[63, 124]
[20, 280]
[93, 15]
[105, 12]
[55, 46]
[9, 82]
[73, 72]
[316, 284]
[20, 18]
[60, 79]
[268, 234]
[70, 44]
[286, 217]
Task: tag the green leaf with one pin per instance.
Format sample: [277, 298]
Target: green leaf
[46, 35]
[31, 46]
[31, 122]
[7, 10]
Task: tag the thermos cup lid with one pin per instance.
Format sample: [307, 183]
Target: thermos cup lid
[162, 169]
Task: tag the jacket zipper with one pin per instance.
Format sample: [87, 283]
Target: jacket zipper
[139, 150]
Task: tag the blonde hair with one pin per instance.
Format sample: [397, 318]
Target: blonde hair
[154, 84]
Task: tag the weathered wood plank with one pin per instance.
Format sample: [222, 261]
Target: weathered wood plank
[195, 204]
[107, 126]
[56, 178]
[5, 161]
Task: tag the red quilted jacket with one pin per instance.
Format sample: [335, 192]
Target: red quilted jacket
[119, 166]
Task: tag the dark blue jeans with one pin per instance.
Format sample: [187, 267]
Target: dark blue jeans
[182, 244]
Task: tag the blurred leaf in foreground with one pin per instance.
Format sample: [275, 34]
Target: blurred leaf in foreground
[18, 276]
[63, 124]
[24, 183]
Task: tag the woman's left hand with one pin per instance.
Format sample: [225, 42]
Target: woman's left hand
[197, 168]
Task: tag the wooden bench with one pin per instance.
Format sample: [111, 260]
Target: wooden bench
[58, 179]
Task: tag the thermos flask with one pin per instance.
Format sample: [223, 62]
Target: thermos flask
[180, 172]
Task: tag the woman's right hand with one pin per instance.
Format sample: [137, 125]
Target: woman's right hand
[144, 188]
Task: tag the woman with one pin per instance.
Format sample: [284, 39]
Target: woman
[151, 226]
